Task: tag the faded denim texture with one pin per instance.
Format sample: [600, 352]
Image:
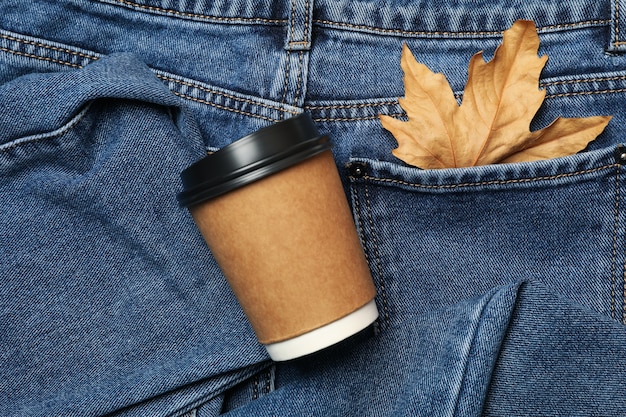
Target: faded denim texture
[501, 288]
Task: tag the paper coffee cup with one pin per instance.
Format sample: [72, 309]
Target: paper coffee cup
[272, 209]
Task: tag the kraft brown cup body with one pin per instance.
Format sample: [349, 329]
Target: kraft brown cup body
[288, 247]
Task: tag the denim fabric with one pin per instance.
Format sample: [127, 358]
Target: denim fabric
[501, 288]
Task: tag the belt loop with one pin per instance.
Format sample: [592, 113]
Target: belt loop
[618, 26]
[299, 25]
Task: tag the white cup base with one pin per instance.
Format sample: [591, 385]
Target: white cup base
[324, 336]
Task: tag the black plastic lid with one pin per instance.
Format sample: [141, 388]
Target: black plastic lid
[251, 158]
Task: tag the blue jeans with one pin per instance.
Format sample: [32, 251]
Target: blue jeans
[501, 288]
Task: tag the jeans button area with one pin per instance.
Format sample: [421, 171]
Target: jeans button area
[620, 154]
[357, 169]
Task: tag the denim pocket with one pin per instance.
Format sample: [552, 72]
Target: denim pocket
[435, 237]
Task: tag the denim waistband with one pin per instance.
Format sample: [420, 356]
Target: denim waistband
[406, 18]
[392, 17]
[166, 33]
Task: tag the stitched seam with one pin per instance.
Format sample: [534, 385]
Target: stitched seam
[299, 80]
[357, 208]
[584, 80]
[219, 93]
[53, 48]
[268, 381]
[575, 93]
[306, 21]
[624, 294]
[458, 96]
[614, 251]
[197, 15]
[49, 135]
[391, 103]
[401, 31]
[361, 229]
[616, 40]
[56, 61]
[349, 119]
[199, 100]
[615, 245]
[255, 387]
[286, 86]
[493, 182]
[586, 93]
[41, 58]
[328, 119]
[452, 33]
[623, 274]
[378, 262]
[292, 21]
[353, 106]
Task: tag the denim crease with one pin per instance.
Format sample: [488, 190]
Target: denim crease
[500, 288]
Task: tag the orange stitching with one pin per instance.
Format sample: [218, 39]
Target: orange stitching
[41, 58]
[614, 252]
[358, 213]
[616, 41]
[624, 297]
[586, 93]
[449, 33]
[346, 119]
[493, 182]
[230, 96]
[349, 119]
[286, 85]
[292, 20]
[199, 100]
[575, 24]
[547, 84]
[379, 264]
[357, 209]
[306, 20]
[54, 48]
[268, 380]
[329, 119]
[255, 387]
[197, 15]
[57, 61]
[584, 80]
[400, 31]
[288, 58]
[299, 81]
[352, 106]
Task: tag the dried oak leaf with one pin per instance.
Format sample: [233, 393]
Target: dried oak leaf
[492, 124]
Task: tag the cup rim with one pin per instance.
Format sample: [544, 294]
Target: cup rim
[255, 156]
